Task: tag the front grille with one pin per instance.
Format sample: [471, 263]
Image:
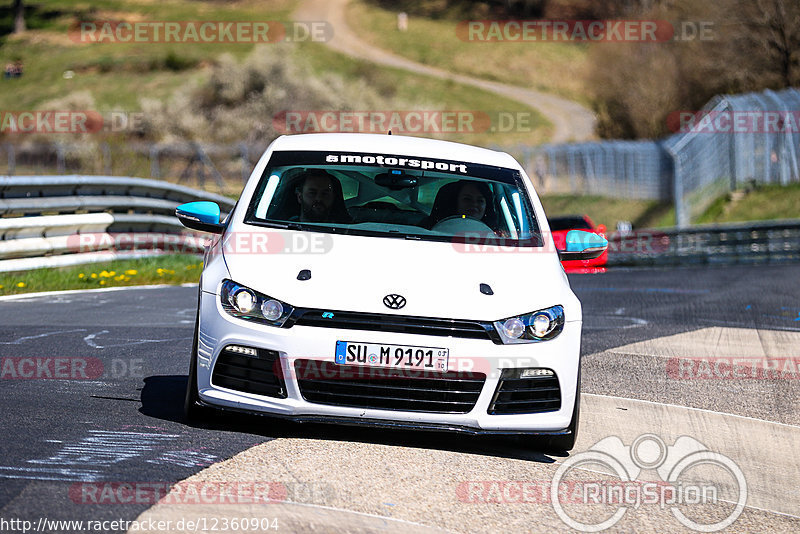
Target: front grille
[526, 395]
[260, 374]
[388, 389]
[406, 324]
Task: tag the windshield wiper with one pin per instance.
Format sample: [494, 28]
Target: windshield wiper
[284, 225]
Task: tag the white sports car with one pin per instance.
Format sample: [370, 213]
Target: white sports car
[389, 281]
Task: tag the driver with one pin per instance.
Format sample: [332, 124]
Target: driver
[320, 198]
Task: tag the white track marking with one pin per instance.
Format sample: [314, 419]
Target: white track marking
[20, 340]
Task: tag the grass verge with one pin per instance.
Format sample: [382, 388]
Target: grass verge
[117, 75]
[170, 269]
[760, 203]
[608, 211]
[425, 91]
[556, 68]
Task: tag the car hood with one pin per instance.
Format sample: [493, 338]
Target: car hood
[437, 279]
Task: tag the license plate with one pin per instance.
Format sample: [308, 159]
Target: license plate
[393, 356]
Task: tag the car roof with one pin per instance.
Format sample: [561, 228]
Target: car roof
[395, 144]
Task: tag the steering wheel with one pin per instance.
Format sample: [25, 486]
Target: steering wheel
[455, 223]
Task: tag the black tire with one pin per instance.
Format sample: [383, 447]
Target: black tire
[192, 408]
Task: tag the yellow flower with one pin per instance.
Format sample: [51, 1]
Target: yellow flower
[20, 284]
[1, 287]
[94, 275]
[119, 278]
[131, 272]
[107, 274]
[81, 275]
[102, 282]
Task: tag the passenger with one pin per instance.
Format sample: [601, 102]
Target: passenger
[464, 198]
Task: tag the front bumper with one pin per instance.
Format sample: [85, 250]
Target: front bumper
[217, 330]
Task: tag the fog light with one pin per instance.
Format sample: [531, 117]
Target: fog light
[272, 310]
[514, 328]
[530, 373]
[244, 300]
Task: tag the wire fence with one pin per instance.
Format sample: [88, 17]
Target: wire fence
[761, 147]
[627, 169]
[732, 141]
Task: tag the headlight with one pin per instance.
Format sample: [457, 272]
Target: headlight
[243, 302]
[532, 327]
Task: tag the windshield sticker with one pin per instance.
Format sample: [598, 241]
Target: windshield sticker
[393, 161]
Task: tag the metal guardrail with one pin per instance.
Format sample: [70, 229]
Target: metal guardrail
[39, 227]
[751, 242]
[76, 185]
[50, 221]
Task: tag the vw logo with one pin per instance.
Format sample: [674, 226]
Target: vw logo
[394, 301]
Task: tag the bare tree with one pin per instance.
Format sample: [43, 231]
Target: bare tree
[19, 16]
[773, 29]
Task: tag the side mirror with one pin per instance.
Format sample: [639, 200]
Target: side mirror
[202, 216]
[601, 229]
[583, 246]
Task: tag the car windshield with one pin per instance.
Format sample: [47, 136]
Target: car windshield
[394, 196]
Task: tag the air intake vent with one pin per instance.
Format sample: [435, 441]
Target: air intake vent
[526, 395]
[260, 373]
[388, 389]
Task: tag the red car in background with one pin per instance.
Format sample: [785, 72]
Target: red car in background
[559, 226]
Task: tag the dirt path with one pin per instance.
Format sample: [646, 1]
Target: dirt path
[571, 121]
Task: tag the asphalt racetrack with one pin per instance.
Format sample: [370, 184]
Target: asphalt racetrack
[92, 426]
